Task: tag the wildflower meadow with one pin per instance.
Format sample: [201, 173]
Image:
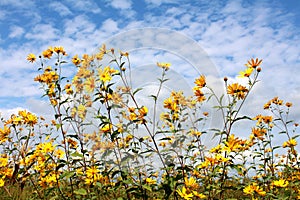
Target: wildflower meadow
[102, 143]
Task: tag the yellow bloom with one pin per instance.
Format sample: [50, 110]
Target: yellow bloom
[104, 74]
[53, 102]
[59, 153]
[281, 183]
[91, 172]
[75, 60]
[3, 161]
[267, 119]
[253, 63]
[106, 128]
[191, 183]
[47, 147]
[290, 143]
[1, 182]
[233, 143]
[59, 50]
[163, 65]
[199, 94]
[246, 73]
[183, 193]
[150, 181]
[68, 89]
[143, 111]
[81, 109]
[259, 133]
[237, 90]
[4, 134]
[31, 57]
[200, 82]
[72, 143]
[199, 195]
[254, 188]
[170, 104]
[90, 85]
[48, 53]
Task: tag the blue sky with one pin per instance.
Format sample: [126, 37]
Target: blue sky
[228, 32]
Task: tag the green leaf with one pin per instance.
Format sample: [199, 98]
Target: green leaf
[137, 90]
[81, 191]
[67, 175]
[147, 187]
[76, 154]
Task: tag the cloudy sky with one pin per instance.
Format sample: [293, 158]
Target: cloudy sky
[204, 36]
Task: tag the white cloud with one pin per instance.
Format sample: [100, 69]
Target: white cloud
[17, 3]
[2, 15]
[16, 31]
[120, 4]
[43, 32]
[88, 6]
[159, 2]
[78, 26]
[60, 8]
[110, 26]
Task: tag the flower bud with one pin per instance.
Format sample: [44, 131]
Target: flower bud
[258, 69]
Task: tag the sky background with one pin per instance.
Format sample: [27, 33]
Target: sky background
[217, 37]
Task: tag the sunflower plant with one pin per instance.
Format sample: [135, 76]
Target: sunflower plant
[102, 143]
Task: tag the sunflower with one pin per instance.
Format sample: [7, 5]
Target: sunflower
[237, 90]
[31, 58]
[253, 63]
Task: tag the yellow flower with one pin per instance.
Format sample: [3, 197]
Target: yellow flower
[290, 143]
[31, 57]
[47, 147]
[200, 82]
[191, 183]
[150, 181]
[68, 89]
[237, 90]
[4, 134]
[246, 73]
[48, 53]
[91, 172]
[53, 102]
[253, 63]
[59, 153]
[90, 85]
[170, 104]
[233, 143]
[143, 111]
[163, 65]
[281, 183]
[254, 188]
[106, 128]
[1, 182]
[75, 60]
[81, 109]
[183, 193]
[59, 50]
[72, 143]
[104, 74]
[199, 195]
[199, 94]
[267, 119]
[259, 133]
